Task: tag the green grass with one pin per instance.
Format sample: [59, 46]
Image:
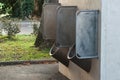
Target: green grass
[21, 48]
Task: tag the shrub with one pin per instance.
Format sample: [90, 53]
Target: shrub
[0, 31]
[10, 28]
[35, 29]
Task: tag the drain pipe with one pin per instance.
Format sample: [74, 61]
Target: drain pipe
[85, 64]
[60, 54]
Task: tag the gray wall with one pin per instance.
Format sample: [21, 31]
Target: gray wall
[110, 40]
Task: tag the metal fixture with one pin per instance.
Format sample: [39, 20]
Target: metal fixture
[49, 20]
[66, 22]
[60, 54]
[85, 64]
[87, 34]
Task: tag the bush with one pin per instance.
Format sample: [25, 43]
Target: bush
[0, 31]
[11, 28]
[35, 29]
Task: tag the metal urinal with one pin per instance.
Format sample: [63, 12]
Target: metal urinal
[85, 64]
[65, 36]
[66, 23]
[49, 20]
[86, 39]
[60, 54]
[87, 34]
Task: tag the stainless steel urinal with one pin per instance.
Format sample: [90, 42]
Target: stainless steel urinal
[65, 36]
[66, 23]
[87, 34]
[85, 64]
[86, 46]
[49, 20]
[60, 54]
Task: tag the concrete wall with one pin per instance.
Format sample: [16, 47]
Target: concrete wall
[74, 72]
[110, 40]
[82, 4]
[110, 43]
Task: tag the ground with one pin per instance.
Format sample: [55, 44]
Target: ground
[21, 48]
[31, 72]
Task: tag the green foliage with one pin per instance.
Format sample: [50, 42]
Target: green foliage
[18, 8]
[0, 32]
[1, 6]
[8, 6]
[16, 11]
[5, 6]
[10, 27]
[35, 29]
[27, 7]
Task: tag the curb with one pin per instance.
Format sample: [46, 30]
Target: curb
[45, 61]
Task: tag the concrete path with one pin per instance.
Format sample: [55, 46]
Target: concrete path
[31, 72]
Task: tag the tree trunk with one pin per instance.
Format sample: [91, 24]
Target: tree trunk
[37, 9]
[39, 39]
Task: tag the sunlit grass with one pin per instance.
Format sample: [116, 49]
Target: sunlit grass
[21, 48]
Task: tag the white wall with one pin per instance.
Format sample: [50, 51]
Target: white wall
[110, 40]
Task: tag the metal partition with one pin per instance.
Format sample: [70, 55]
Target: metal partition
[60, 54]
[87, 34]
[66, 22]
[49, 20]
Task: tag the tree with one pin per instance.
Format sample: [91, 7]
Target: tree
[7, 4]
[26, 7]
[37, 9]
[18, 8]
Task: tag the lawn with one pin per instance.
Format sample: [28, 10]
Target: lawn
[21, 48]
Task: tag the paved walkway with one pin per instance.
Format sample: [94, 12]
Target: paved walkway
[31, 72]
